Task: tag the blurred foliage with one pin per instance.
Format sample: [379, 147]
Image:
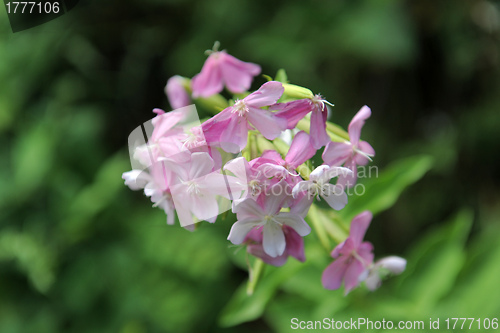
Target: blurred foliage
[79, 252]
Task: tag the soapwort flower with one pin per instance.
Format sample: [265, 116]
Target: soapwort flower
[351, 153]
[267, 216]
[230, 127]
[352, 257]
[319, 186]
[221, 69]
[294, 111]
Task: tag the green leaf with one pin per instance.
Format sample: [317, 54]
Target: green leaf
[436, 261]
[381, 192]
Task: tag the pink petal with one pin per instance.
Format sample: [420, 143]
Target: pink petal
[359, 225]
[234, 136]
[334, 273]
[209, 81]
[336, 153]
[237, 75]
[300, 150]
[267, 94]
[257, 250]
[176, 94]
[294, 244]
[357, 124]
[201, 164]
[352, 273]
[293, 111]
[319, 137]
[268, 124]
[366, 148]
[203, 207]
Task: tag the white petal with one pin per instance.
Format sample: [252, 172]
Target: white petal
[393, 264]
[334, 195]
[301, 186]
[240, 229]
[273, 239]
[201, 164]
[136, 179]
[295, 221]
[320, 174]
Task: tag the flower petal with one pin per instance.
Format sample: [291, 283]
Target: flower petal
[336, 153]
[136, 179]
[237, 75]
[319, 137]
[294, 244]
[352, 274]
[176, 94]
[266, 95]
[357, 123]
[274, 240]
[293, 111]
[268, 124]
[240, 229]
[209, 81]
[234, 136]
[335, 196]
[359, 225]
[366, 148]
[300, 150]
[294, 221]
[201, 164]
[333, 274]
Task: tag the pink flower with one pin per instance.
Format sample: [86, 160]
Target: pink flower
[353, 257]
[268, 217]
[176, 93]
[229, 128]
[300, 151]
[223, 69]
[294, 246]
[353, 153]
[155, 182]
[196, 186]
[294, 111]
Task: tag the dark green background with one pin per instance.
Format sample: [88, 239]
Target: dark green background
[81, 253]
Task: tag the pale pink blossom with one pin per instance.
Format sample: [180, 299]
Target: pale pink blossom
[176, 93]
[221, 69]
[155, 181]
[267, 216]
[229, 129]
[195, 187]
[353, 257]
[351, 153]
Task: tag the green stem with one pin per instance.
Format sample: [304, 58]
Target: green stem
[316, 221]
[254, 275]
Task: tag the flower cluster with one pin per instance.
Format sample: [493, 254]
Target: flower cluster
[254, 157]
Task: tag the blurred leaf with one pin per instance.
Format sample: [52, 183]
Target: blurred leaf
[33, 258]
[242, 307]
[436, 261]
[382, 192]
